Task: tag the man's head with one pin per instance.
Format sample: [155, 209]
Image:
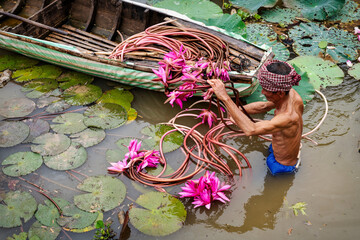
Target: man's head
[277, 76]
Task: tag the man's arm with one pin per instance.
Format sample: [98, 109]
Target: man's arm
[258, 107]
[242, 121]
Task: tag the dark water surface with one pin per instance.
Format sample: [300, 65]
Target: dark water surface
[328, 179]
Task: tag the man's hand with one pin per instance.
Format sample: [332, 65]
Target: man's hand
[219, 88]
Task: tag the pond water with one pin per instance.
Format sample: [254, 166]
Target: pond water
[328, 180]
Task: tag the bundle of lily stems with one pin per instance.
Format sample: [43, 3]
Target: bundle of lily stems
[190, 58]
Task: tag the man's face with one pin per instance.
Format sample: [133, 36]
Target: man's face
[271, 96]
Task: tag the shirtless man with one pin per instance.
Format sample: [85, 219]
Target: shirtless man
[276, 78]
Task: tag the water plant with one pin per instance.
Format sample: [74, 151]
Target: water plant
[104, 231]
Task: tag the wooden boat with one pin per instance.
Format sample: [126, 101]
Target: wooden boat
[77, 35]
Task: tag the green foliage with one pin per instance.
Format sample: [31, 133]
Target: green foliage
[13, 133]
[15, 62]
[253, 5]
[37, 128]
[89, 137]
[82, 94]
[227, 5]
[21, 236]
[105, 116]
[104, 231]
[38, 232]
[68, 123]
[316, 9]
[50, 144]
[43, 71]
[21, 163]
[299, 207]
[42, 85]
[17, 107]
[70, 78]
[342, 46]
[350, 12]
[354, 71]
[203, 9]
[282, 16]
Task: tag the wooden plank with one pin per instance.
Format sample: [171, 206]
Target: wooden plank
[59, 41]
[70, 28]
[73, 43]
[119, 8]
[85, 44]
[92, 14]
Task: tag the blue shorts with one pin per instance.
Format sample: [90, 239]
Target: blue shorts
[275, 167]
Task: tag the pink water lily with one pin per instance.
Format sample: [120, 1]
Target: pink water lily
[161, 73]
[151, 159]
[205, 190]
[174, 97]
[356, 30]
[133, 148]
[118, 167]
[208, 117]
[349, 63]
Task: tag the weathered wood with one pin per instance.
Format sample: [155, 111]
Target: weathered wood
[32, 22]
[62, 42]
[92, 14]
[119, 8]
[15, 9]
[70, 28]
[73, 42]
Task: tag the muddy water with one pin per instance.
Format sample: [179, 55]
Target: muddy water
[328, 179]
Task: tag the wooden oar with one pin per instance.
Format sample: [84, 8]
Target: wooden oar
[33, 22]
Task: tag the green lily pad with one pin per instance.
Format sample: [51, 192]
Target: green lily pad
[21, 163]
[342, 46]
[171, 142]
[44, 71]
[39, 231]
[161, 214]
[17, 107]
[88, 228]
[115, 155]
[50, 144]
[35, 94]
[105, 193]
[37, 128]
[320, 72]
[71, 78]
[58, 106]
[69, 123]
[118, 96]
[20, 236]
[82, 94]
[230, 23]
[41, 85]
[105, 116]
[260, 34]
[48, 214]
[89, 137]
[354, 71]
[350, 12]
[316, 9]
[75, 218]
[192, 8]
[15, 62]
[253, 5]
[71, 158]
[17, 206]
[283, 16]
[131, 115]
[45, 101]
[13, 133]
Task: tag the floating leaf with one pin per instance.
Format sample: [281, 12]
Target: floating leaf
[132, 115]
[89, 137]
[115, 155]
[105, 116]
[58, 106]
[35, 94]
[283, 16]
[37, 127]
[342, 46]
[105, 193]
[300, 206]
[17, 107]
[171, 142]
[69, 123]
[50, 144]
[48, 214]
[15, 62]
[38, 231]
[316, 9]
[192, 8]
[18, 205]
[45, 101]
[161, 214]
[354, 71]
[44, 71]
[75, 218]
[350, 12]
[118, 96]
[230, 23]
[82, 94]
[320, 72]
[42, 85]
[71, 78]
[88, 228]
[72, 158]
[253, 5]
[260, 34]
[13, 133]
[20, 236]
[21, 163]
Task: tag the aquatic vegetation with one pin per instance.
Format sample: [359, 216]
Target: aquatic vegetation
[21, 163]
[104, 231]
[205, 190]
[299, 207]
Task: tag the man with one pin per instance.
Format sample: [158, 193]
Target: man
[276, 78]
